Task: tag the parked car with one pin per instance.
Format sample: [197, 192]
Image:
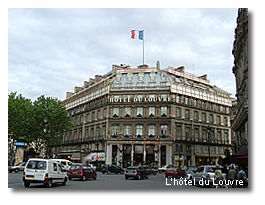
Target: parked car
[82, 172]
[189, 172]
[150, 170]
[175, 172]
[66, 164]
[43, 171]
[19, 167]
[92, 166]
[206, 173]
[165, 167]
[136, 172]
[111, 169]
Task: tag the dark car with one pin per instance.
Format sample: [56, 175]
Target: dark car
[136, 172]
[111, 169]
[82, 172]
[150, 170]
[175, 173]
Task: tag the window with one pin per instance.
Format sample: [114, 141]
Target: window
[219, 137]
[164, 130]
[187, 133]
[163, 111]
[204, 135]
[116, 112]
[211, 118]
[226, 138]
[186, 101]
[54, 167]
[151, 130]
[139, 130]
[115, 130]
[196, 116]
[88, 117]
[93, 116]
[195, 103]
[178, 112]
[139, 111]
[127, 112]
[187, 114]
[178, 99]
[105, 113]
[178, 132]
[34, 164]
[196, 134]
[127, 130]
[151, 111]
[204, 117]
[218, 120]
[225, 121]
[99, 115]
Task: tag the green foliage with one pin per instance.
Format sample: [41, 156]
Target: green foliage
[43, 121]
[20, 117]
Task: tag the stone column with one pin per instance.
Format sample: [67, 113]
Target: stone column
[144, 158]
[169, 154]
[109, 154]
[132, 154]
[118, 155]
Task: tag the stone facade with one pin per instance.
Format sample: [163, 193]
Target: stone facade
[148, 115]
[240, 70]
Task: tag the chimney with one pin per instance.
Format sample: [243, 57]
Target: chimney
[181, 69]
[77, 89]
[69, 94]
[86, 84]
[158, 65]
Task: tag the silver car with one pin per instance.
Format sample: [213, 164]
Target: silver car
[204, 175]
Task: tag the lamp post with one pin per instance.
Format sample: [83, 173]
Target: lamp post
[209, 133]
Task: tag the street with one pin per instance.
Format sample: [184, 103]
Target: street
[105, 182]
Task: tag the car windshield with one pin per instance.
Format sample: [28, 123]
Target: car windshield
[171, 169]
[75, 167]
[210, 169]
[34, 164]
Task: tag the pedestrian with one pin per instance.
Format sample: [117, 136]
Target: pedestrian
[218, 176]
[241, 175]
[232, 175]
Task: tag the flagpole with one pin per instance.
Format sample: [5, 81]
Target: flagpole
[143, 47]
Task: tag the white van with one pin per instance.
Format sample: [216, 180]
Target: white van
[65, 163]
[44, 171]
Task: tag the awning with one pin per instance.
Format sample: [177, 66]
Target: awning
[75, 156]
[95, 156]
[240, 158]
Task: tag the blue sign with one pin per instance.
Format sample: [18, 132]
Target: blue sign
[20, 144]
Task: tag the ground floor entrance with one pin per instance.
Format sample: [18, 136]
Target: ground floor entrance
[126, 154]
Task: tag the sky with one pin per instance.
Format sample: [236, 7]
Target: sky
[52, 50]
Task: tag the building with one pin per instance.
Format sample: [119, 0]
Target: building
[147, 115]
[240, 70]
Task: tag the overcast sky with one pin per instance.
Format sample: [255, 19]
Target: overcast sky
[52, 50]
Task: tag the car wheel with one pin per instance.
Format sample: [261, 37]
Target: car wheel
[26, 184]
[94, 177]
[146, 177]
[49, 183]
[108, 172]
[154, 173]
[64, 181]
[126, 177]
[83, 178]
[16, 170]
[138, 177]
[69, 178]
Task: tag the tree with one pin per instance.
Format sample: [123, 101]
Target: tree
[52, 120]
[20, 117]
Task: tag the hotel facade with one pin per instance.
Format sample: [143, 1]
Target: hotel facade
[147, 115]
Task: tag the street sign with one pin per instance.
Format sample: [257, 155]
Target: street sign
[20, 144]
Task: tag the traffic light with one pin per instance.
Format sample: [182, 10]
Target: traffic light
[69, 157]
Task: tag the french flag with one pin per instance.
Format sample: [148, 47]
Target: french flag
[135, 34]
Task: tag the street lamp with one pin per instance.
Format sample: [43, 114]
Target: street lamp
[209, 133]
